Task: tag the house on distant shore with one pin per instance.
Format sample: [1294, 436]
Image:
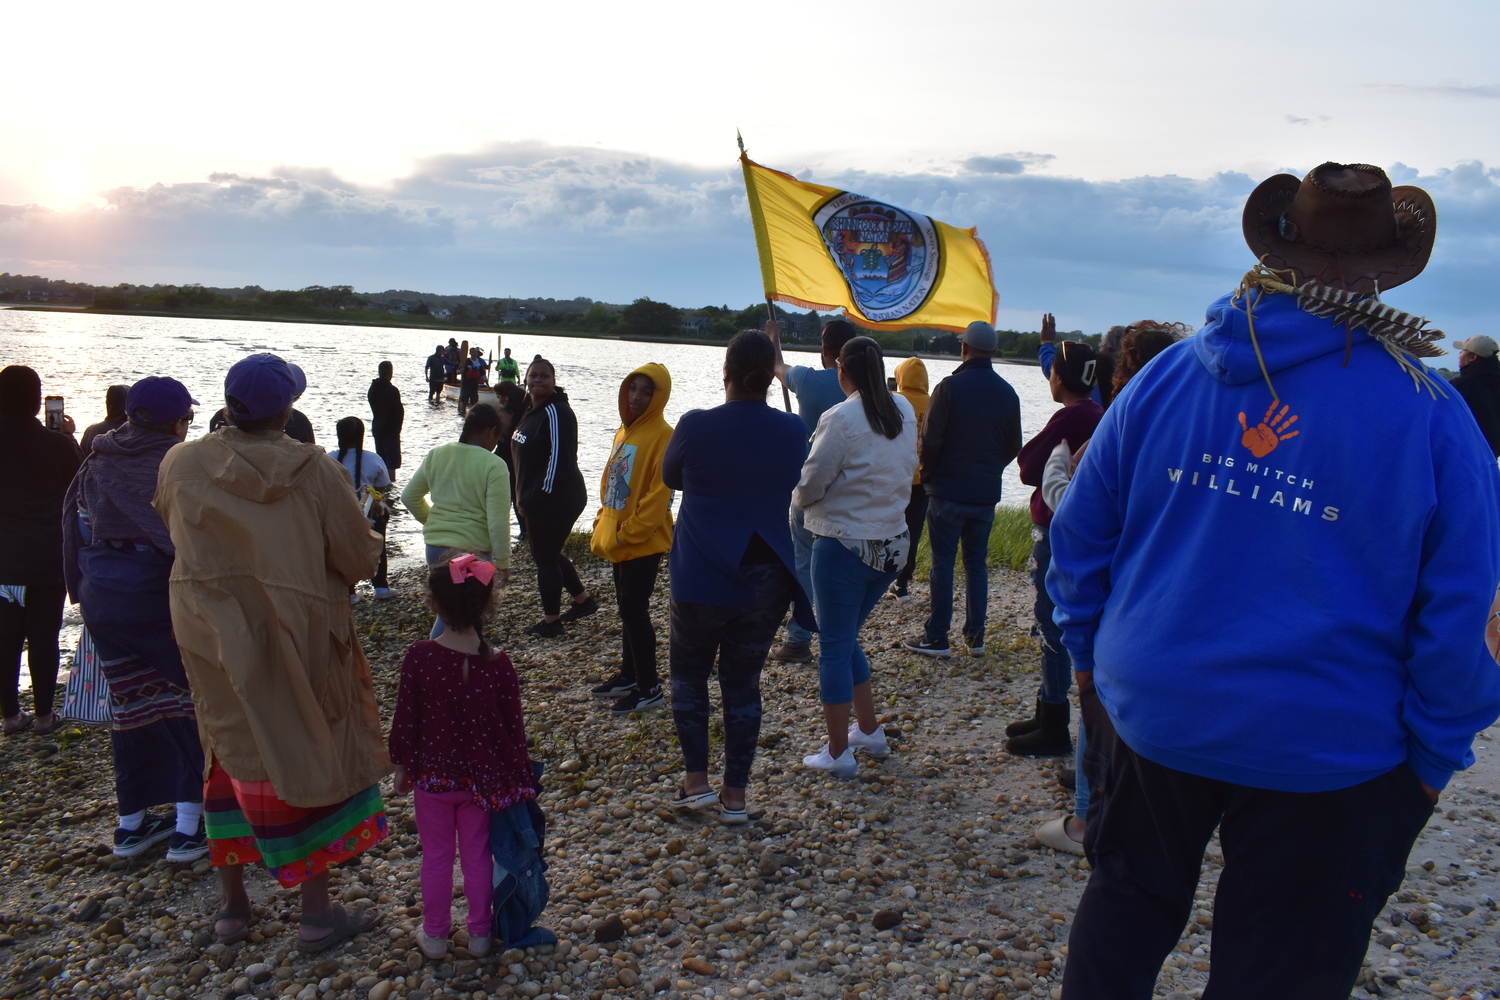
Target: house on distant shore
[441, 313]
[695, 325]
[399, 308]
[523, 314]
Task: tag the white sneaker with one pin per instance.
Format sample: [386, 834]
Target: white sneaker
[842, 766]
[435, 949]
[873, 745]
[479, 946]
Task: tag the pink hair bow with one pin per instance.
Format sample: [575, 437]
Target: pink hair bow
[461, 568]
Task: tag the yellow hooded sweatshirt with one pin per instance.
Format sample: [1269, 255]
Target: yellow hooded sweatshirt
[911, 382]
[634, 518]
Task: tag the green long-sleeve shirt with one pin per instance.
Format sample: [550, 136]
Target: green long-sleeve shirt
[470, 509]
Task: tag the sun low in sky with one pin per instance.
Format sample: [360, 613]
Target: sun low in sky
[588, 148]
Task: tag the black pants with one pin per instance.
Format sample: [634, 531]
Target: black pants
[434, 389]
[388, 447]
[381, 578]
[36, 626]
[1298, 866]
[635, 580]
[916, 517]
[546, 531]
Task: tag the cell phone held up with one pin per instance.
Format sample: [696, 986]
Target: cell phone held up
[52, 413]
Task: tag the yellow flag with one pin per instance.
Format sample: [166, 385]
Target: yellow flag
[889, 269]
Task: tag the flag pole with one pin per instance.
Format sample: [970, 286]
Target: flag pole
[786, 396]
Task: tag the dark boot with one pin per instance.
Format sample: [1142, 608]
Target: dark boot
[1050, 739]
[1026, 725]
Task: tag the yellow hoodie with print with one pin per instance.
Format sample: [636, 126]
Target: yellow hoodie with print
[911, 382]
[635, 518]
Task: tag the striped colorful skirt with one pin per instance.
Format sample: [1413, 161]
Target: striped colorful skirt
[247, 822]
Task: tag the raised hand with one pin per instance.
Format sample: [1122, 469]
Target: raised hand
[1263, 438]
[1049, 328]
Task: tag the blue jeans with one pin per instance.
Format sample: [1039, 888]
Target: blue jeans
[1081, 783]
[846, 591]
[802, 548]
[1057, 665]
[435, 555]
[950, 524]
[740, 638]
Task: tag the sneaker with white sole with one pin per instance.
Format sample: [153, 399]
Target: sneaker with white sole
[480, 946]
[842, 766]
[185, 847]
[872, 744]
[435, 949]
[616, 687]
[974, 644]
[639, 701]
[925, 646]
[384, 593]
[153, 830]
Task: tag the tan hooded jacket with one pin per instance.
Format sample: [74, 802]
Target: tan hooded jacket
[911, 383]
[269, 540]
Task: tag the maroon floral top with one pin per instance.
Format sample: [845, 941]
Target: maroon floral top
[455, 735]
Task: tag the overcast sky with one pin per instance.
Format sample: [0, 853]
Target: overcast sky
[1104, 150]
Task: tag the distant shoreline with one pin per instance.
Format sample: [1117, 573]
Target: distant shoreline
[451, 328]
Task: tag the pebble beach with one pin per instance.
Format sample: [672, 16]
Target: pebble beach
[920, 877]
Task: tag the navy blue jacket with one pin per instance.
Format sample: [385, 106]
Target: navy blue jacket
[735, 465]
[971, 433]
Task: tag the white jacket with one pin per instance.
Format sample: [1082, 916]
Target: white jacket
[856, 482]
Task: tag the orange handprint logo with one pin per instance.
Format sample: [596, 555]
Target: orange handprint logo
[1263, 438]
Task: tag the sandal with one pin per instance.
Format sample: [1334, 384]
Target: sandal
[733, 817]
[245, 917]
[343, 926]
[683, 802]
[17, 724]
[45, 728]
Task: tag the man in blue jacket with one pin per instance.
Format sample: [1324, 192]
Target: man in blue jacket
[971, 432]
[1273, 570]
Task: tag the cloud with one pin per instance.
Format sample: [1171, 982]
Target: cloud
[1489, 91]
[536, 219]
[1010, 163]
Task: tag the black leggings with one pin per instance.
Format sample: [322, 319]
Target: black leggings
[635, 581]
[916, 517]
[546, 531]
[36, 625]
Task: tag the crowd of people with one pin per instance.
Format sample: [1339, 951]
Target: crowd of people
[1259, 643]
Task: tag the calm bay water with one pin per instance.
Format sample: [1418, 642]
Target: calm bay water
[78, 356]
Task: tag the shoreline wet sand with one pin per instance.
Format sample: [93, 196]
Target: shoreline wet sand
[921, 877]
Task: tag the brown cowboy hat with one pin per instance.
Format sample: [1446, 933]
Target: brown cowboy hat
[1342, 225]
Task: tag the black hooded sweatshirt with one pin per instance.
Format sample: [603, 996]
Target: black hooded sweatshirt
[1479, 384]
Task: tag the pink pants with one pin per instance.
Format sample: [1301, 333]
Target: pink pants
[442, 816]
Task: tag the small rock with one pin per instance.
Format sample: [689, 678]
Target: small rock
[382, 990]
[675, 846]
[259, 972]
[886, 919]
[698, 965]
[611, 928]
[627, 977]
[571, 766]
[661, 985]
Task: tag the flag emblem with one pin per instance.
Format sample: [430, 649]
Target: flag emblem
[888, 257]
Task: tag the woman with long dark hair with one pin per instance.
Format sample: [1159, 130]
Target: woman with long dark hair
[854, 490]
[370, 477]
[551, 494]
[732, 569]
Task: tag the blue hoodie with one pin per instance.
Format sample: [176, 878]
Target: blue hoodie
[1293, 596]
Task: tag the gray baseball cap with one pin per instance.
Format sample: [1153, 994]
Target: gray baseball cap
[1478, 344]
[980, 336]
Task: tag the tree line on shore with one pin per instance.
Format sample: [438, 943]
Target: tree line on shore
[644, 318]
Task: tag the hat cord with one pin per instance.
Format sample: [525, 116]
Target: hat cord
[1405, 337]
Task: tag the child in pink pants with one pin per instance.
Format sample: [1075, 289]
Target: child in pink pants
[458, 740]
